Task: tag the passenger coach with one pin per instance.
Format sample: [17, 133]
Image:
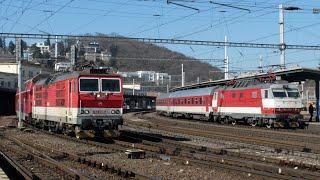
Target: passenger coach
[273, 104]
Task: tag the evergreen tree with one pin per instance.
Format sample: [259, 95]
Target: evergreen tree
[46, 55]
[1, 43]
[24, 45]
[47, 42]
[61, 49]
[11, 47]
[36, 52]
[114, 53]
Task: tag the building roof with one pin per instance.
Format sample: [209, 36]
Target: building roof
[7, 58]
[7, 74]
[45, 79]
[193, 92]
[290, 75]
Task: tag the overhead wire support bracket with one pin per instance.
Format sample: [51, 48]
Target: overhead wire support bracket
[160, 41]
[170, 2]
[231, 6]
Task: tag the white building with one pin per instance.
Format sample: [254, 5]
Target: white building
[162, 77]
[62, 66]
[28, 70]
[43, 47]
[148, 76]
[8, 81]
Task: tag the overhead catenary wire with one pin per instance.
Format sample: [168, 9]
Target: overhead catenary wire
[52, 14]
[159, 41]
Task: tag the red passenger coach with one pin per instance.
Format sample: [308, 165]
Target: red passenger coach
[273, 104]
[85, 103]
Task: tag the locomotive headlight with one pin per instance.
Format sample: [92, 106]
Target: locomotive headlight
[117, 112]
[86, 111]
[112, 111]
[82, 111]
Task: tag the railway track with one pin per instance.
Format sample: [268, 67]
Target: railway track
[275, 139]
[34, 165]
[44, 159]
[252, 165]
[182, 153]
[116, 146]
[223, 152]
[209, 160]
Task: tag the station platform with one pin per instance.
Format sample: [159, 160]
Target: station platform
[313, 127]
[3, 175]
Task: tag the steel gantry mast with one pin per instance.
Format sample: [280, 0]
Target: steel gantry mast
[160, 41]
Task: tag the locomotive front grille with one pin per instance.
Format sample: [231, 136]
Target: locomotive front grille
[101, 124]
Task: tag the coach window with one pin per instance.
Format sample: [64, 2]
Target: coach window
[215, 96]
[266, 94]
[241, 95]
[233, 95]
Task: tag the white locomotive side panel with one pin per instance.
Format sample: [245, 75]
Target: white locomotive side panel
[247, 110]
[282, 103]
[60, 114]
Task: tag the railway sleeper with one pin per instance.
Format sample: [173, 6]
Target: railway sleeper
[47, 163]
[89, 163]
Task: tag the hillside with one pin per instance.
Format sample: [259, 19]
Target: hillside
[137, 56]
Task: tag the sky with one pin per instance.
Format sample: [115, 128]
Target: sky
[255, 21]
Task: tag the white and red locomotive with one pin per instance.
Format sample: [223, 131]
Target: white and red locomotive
[85, 103]
[273, 104]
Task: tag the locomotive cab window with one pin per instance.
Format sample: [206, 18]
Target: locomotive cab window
[279, 93]
[89, 84]
[293, 93]
[110, 85]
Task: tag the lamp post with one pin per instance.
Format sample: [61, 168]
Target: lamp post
[282, 46]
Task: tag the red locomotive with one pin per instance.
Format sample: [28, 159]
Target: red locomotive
[272, 104]
[87, 104]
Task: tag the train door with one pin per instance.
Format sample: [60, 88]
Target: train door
[69, 108]
[215, 102]
[45, 103]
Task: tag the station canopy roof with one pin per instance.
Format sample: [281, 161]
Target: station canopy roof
[291, 75]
